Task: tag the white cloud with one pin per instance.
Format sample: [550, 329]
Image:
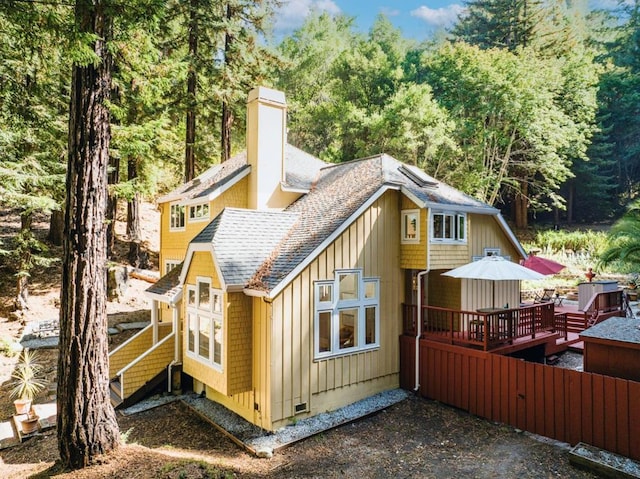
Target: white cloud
[292, 13]
[389, 12]
[439, 17]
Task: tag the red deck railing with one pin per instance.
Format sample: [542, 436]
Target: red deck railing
[487, 329]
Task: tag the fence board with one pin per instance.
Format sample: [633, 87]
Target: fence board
[549, 403]
[621, 416]
[610, 436]
[566, 405]
[598, 410]
[634, 421]
[587, 408]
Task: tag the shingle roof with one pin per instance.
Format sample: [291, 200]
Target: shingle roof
[169, 285]
[339, 192]
[243, 239]
[208, 181]
[301, 170]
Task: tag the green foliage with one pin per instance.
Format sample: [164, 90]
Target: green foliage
[189, 468]
[28, 380]
[623, 242]
[555, 241]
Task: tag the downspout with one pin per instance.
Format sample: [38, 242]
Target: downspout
[419, 320]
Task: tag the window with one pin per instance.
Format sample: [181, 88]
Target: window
[177, 217]
[410, 226]
[347, 315]
[204, 323]
[199, 212]
[449, 227]
[170, 264]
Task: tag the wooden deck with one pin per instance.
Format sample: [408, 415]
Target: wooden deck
[553, 327]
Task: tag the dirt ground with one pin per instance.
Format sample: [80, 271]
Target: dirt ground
[415, 438]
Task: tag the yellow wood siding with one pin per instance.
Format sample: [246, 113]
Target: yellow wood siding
[239, 343]
[414, 256]
[173, 244]
[443, 291]
[372, 243]
[485, 232]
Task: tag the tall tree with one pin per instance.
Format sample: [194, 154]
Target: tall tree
[31, 126]
[87, 423]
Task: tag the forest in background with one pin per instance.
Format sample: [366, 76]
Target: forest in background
[531, 106]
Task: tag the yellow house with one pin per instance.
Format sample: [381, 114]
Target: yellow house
[284, 277]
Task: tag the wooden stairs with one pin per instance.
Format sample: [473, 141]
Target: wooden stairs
[154, 385]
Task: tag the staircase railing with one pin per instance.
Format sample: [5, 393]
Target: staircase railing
[134, 347]
[146, 366]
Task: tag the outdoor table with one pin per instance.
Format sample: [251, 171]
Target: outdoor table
[505, 322]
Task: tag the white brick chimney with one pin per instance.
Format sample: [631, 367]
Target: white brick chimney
[266, 139]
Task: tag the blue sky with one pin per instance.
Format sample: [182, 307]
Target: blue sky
[417, 19]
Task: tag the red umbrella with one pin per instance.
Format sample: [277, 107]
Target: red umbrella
[542, 265]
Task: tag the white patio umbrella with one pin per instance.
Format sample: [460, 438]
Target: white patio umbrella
[493, 268]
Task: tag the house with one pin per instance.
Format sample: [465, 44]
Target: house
[284, 277]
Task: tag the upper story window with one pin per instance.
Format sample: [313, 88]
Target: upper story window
[449, 227]
[347, 314]
[205, 323]
[170, 264]
[177, 217]
[410, 226]
[199, 212]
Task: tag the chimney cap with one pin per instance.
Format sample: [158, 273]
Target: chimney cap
[266, 94]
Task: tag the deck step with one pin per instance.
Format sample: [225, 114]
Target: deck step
[577, 347]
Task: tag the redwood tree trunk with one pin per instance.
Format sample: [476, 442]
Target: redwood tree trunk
[192, 81]
[86, 422]
[137, 256]
[56, 226]
[24, 268]
[227, 113]
[521, 205]
[113, 178]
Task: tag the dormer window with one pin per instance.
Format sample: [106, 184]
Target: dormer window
[199, 212]
[448, 227]
[177, 217]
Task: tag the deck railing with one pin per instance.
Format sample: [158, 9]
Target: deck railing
[488, 329]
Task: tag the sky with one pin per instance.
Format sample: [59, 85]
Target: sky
[418, 19]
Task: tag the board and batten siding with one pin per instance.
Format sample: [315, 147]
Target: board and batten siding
[487, 233]
[371, 242]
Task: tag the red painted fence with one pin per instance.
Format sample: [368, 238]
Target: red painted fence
[566, 405]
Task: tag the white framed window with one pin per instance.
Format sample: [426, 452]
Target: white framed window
[176, 217]
[199, 212]
[170, 264]
[347, 314]
[410, 226]
[205, 318]
[448, 227]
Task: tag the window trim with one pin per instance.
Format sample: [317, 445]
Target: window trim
[216, 318]
[172, 226]
[170, 264]
[336, 306]
[403, 238]
[196, 219]
[455, 218]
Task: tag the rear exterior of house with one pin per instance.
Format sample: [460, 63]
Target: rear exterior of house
[285, 277]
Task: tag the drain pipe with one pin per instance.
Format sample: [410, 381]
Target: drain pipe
[419, 324]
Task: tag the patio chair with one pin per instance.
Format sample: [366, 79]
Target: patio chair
[546, 296]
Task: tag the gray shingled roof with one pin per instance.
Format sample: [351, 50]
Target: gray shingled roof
[242, 240]
[615, 329]
[213, 178]
[339, 192]
[169, 285]
[301, 170]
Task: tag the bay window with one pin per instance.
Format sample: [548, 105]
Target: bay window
[204, 323]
